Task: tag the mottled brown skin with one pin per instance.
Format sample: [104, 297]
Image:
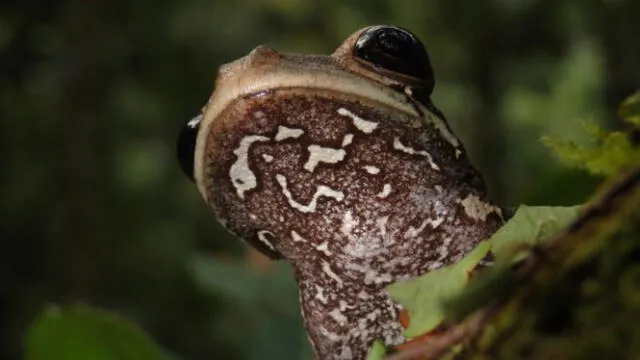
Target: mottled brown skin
[352, 202]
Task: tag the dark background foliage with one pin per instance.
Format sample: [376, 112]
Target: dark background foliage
[94, 93]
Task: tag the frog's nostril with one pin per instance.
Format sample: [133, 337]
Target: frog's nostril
[187, 145]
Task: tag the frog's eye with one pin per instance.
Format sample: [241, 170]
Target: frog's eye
[394, 49]
[187, 145]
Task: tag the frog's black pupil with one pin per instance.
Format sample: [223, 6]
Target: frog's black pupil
[187, 146]
[395, 49]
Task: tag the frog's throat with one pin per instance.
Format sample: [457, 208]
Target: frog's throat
[346, 307]
[344, 328]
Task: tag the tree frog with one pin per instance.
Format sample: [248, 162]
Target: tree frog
[342, 166]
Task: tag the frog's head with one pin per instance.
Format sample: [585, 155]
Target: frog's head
[342, 165]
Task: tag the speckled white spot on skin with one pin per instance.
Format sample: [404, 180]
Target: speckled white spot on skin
[361, 124]
[386, 191]
[318, 154]
[363, 248]
[262, 236]
[330, 335]
[438, 189]
[373, 170]
[320, 294]
[258, 114]
[324, 247]
[408, 91]
[381, 223]
[435, 223]
[344, 306]
[443, 250]
[398, 261]
[281, 219]
[327, 270]
[413, 232]
[374, 314]
[374, 277]
[242, 178]
[399, 146]
[267, 158]
[346, 354]
[288, 133]
[476, 208]
[363, 295]
[338, 316]
[296, 237]
[347, 139]
[348, 223]
[253, 217]
[393, 335]
[322, 190]
[362, 329]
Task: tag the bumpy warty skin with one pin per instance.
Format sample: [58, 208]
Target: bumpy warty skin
[353, 194]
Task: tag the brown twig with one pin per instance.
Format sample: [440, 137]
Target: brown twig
[438, 345]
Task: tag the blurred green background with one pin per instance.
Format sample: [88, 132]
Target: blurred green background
[94, 93]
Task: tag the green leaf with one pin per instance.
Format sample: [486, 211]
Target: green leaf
[267, 301]
[426, 297]
[423, 297]
[611, 152]
[529, 225]
[630, 109]
[80, 332]
[248, 287]
[377, 351]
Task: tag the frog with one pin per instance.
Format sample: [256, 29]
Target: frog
[342, 166]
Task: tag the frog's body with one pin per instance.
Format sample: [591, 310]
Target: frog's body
[345, 170]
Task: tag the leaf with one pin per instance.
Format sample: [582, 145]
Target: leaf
[426, 297]
[248, 287]
[612, 152]
[630, 109]
[268, 305]
[377, 351]
[80, 332]
[423, 297]
[529, 225]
